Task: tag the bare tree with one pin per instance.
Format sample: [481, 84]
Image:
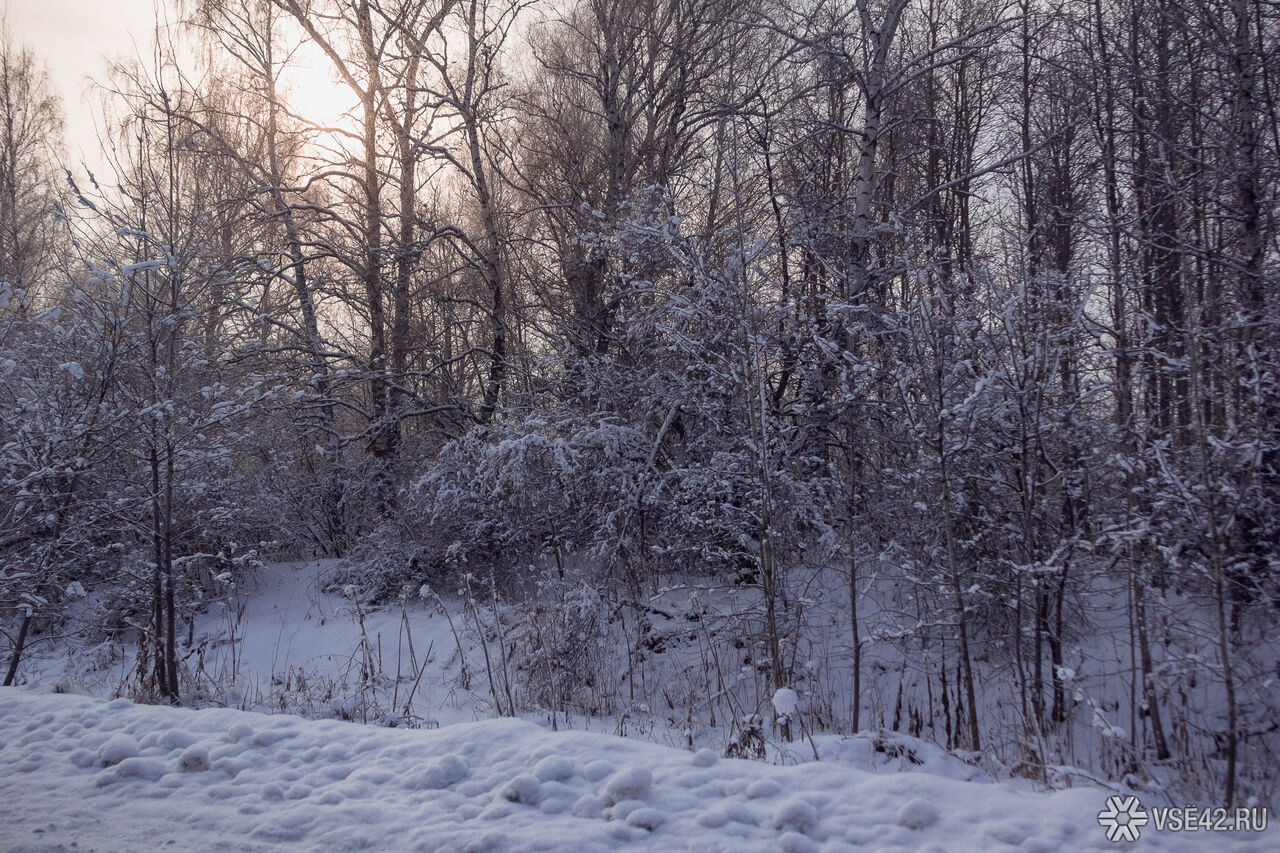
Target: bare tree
[30, 139]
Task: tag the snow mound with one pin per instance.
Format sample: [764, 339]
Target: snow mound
[554, 768]
[630, 784]
[917, 814]
[705, 758]
[82, 773]
[117, 748]
[522, 789]
[795, 814]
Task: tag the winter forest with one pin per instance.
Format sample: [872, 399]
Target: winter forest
[727, 373]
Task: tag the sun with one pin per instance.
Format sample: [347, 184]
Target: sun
[314, 93]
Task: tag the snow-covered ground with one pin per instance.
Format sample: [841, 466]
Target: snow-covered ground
[276, 642]
[90, 774]
[85, 772]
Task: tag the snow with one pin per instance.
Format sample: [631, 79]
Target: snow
[117, 748]
[785, 702]
[705, 758]
[762, 789]
[795, 814]
[277, 641]
[554, 769]
[632, 783]
[119, 776]
[917, 814]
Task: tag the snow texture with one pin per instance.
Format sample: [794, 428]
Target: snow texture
[785, 701]
[90, 774]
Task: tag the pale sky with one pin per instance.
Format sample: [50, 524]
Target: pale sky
[73, 37]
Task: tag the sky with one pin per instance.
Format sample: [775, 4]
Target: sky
[73, 37]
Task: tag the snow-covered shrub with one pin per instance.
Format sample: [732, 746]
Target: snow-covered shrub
[564, 641]
[381, 563]
[499, 497]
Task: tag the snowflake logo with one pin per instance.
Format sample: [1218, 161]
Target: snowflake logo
[1123, 818]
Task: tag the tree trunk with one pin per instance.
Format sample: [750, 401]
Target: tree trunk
[18, 646]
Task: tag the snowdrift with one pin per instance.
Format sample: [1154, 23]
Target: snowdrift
[110, 776]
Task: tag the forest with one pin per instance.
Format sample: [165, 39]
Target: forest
[914, 360]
